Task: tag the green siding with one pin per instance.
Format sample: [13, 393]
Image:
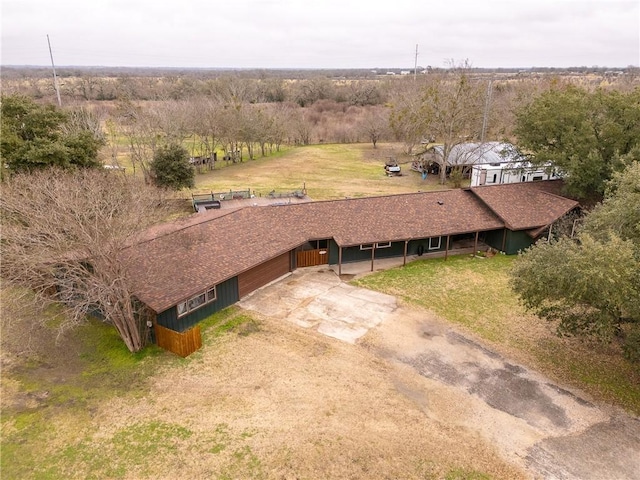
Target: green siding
[354, 254]
[333, 252]
[494, 238]
[514, 241]
[517, 241]
[226, 294]
[415, 246]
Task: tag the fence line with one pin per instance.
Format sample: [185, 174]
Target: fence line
[180, 343]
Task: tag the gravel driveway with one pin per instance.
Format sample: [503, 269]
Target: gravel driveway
[550, 431]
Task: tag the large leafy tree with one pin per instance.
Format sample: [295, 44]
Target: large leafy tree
[591, 286]
[171, 168]
[38, 136]
[582, 133]
[62, 237]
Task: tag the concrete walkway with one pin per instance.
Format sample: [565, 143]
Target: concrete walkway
[358, 269]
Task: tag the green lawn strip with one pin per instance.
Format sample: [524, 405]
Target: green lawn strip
[456, 288]
[33, 446]
[475, 293]
[141, 450]
[231, 319]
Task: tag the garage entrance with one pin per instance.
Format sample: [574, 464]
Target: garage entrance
[264, 273]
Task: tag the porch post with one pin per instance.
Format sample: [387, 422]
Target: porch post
[339, 260]
[504, 239]
[446, 249]
[373, 253]
[475, 245]
[406, 245]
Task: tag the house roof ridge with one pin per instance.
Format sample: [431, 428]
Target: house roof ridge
[185, 227]
[351, 199]
[487, 204]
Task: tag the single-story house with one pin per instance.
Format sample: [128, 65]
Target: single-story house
[188, 269]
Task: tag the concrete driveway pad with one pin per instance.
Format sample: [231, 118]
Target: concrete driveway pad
[552, 432]
[316, 298]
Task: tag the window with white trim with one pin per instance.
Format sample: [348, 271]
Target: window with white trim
[369, 246]
[434, 243]
[196, 301]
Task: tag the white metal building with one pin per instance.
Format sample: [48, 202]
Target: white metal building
[509, 172]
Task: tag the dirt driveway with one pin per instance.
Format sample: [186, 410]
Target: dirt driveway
[547, 430]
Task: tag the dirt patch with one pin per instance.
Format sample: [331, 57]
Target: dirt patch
[308, 406]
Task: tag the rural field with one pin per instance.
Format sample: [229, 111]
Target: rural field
[267, 399]
[329, 172]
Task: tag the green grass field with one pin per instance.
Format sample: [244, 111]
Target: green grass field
[328, 172]
[49, 429]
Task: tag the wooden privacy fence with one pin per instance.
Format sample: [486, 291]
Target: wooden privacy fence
[183, 344]
[310, 258]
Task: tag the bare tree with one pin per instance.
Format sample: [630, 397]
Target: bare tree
[405, 118]
[450, 111]
[82, 118]
[136, 125]
[63, 233]
[204, 122]
[375, 125]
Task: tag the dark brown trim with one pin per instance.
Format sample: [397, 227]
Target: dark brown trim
[406, 246]
[373, 254]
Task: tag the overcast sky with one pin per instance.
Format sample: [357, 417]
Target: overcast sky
[321, 33]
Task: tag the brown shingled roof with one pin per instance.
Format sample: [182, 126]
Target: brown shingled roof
[184, 257]
[526, 206]
[399, 217]
[187, 256]
[176, 265]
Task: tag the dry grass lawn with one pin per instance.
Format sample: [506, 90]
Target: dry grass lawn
[262, 399]
[328, 171]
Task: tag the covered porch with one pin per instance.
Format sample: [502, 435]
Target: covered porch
[461, 244]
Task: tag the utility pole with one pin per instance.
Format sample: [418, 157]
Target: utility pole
[415, 66]
[55, 77]
[487, 102]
